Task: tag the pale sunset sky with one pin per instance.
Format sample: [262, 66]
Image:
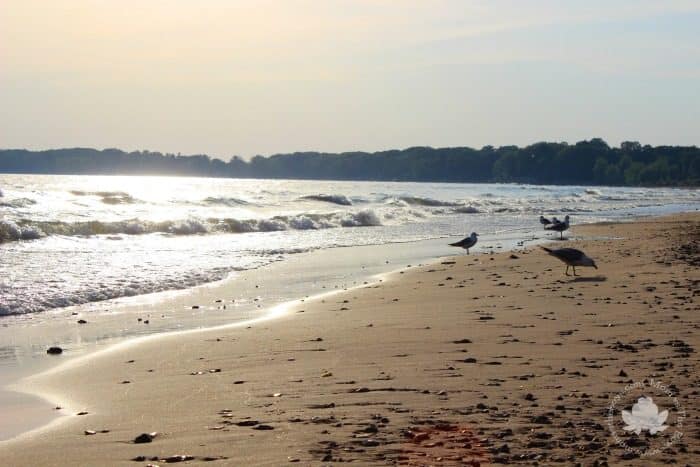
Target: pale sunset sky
[264, 76]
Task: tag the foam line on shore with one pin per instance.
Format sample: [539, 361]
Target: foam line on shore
[25, 385]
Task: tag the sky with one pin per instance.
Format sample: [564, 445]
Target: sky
[248, 77]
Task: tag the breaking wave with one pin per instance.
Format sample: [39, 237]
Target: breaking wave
[429, 202]
[16, 304]
[31, 230]
[466, 210]
[17, 203]
[108, 197]
[335, 199]
[10, 231]
[224, 201]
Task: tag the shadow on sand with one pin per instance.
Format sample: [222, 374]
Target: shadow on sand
[589, 279]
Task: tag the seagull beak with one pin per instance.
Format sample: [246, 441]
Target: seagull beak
[594, 265]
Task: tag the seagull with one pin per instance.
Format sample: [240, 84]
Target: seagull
[544, 221]
[467, 242]
[560, 226]
[571, 257]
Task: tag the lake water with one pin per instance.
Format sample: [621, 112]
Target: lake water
[69, 240]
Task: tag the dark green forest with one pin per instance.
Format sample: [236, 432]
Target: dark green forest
[591, 162]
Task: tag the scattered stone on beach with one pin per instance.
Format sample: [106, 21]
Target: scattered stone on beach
[462, 341]
[178, 458]
[82, 321]
[145, 437]
[247, 423]
[90, 432]
[542, 420]
[54, 351]
[322, 406]
[263, 427]
[82, 413]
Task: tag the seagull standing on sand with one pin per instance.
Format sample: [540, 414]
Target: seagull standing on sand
[560, 226]
[544, 221]
[571, 257]
[467, 242]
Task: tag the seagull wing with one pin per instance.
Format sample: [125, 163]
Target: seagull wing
[462, 242]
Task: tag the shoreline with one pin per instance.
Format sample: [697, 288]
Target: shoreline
[154, 305]
[499, 259]
[23, 386]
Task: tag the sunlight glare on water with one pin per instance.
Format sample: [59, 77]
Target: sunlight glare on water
[68, 240]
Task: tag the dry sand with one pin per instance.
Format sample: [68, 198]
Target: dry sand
[476, 360]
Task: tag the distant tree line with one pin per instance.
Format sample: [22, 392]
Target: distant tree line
[591, 162]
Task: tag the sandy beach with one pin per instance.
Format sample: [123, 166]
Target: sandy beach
[476, 360]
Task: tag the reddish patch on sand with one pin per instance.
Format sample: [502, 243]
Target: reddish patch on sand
[442, 444]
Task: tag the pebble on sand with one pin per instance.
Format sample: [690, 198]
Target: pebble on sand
[145, 437]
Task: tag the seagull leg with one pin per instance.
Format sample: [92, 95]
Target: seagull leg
[574, 270]
[567, 270]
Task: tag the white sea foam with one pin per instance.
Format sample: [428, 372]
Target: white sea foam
[59, 234]
[311, 221]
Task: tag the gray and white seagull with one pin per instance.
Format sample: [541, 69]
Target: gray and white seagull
[467, 242]
[559, 226]
[571, 257]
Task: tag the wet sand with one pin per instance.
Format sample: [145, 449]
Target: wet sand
[247, 295]
[477, 359]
